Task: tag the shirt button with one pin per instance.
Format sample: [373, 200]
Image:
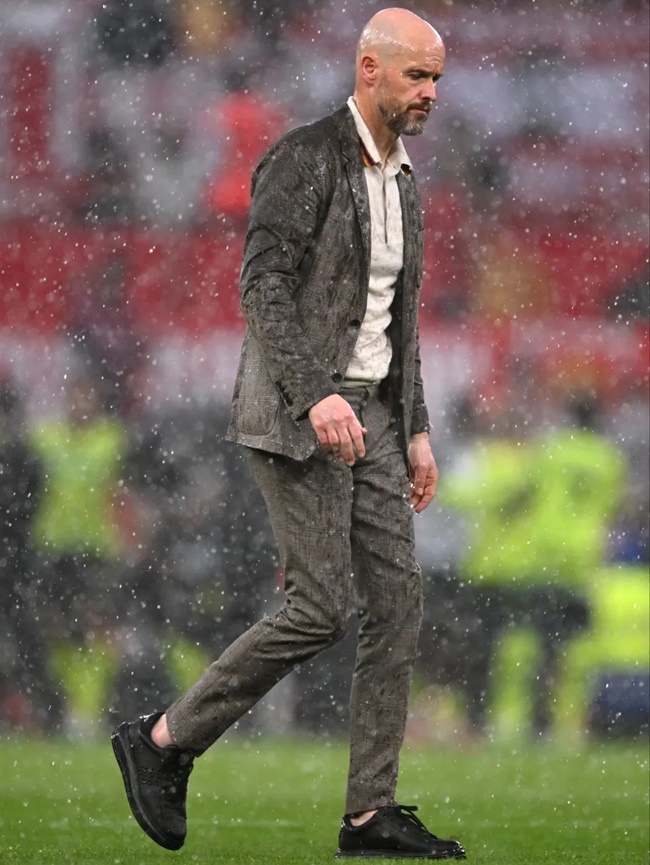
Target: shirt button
[337, 377]
[355, 323]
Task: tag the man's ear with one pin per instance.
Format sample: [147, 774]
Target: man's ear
[369, 68]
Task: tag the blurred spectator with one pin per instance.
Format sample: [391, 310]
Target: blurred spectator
[136, 32]
[75, 532]
[106, 336]
[441, 537]
[511, 282]
[104, 193]
[172, 167]
[269, 19]
[246, 124]
[202, 551]
[205, 27]
[632, 300]
[29, 694]
[141, 632]
[448, 276]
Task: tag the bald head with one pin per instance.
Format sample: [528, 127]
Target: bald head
[395, 31]
[400, 58]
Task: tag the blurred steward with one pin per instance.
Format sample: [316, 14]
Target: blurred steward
[539, 512]
[581, 480]
[494, 488]
[75, 531]
[618, 652]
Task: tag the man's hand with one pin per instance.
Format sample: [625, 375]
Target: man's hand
[423, 472]
[338, 429]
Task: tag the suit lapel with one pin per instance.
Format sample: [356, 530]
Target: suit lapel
[350, 148]
[412, 229]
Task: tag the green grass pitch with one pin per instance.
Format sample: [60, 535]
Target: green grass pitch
[267, 800]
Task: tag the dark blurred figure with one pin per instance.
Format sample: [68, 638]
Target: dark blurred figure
[631, 301]
[204, 550]
[269, 21]
[136, 32]
[103, 192]
[441, 538]
[106, 334]
[29, 695]
[141, 632]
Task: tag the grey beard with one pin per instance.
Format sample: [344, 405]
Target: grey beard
[415, 127]
[399, 125]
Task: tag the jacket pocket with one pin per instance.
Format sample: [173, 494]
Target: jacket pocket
[256, 401]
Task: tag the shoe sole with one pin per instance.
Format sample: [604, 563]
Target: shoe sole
[122, 749]
[392, 854]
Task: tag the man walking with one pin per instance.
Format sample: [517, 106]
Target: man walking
[329, 405]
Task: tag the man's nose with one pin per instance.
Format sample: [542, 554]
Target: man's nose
[430, 91]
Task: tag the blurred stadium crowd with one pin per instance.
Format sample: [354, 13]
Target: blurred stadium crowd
[128, 134]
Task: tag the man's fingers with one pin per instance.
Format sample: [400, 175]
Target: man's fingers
[331, 439]
[345, 442]
[338, 428]
[357, 432]
[424, 500]
[418, 480]
[346, 448]
[423, 487]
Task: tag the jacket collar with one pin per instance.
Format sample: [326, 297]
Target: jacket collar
[347, 132]
[398, 157]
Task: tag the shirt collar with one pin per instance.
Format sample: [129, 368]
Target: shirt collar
[397, 158]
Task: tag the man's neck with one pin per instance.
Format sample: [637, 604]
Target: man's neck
[383, 137]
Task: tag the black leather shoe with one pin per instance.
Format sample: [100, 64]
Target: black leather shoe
[394, 832]
[155, 780]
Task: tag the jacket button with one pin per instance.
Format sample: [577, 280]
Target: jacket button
[337, 377]
[355, 323]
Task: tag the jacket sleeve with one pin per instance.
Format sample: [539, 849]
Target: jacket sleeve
[420, 417]
[287, 197]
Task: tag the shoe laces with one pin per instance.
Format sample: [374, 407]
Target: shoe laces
[407, 815]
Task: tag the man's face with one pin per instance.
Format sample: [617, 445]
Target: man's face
[407, 88]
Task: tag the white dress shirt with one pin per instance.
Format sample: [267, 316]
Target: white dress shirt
[373, 351]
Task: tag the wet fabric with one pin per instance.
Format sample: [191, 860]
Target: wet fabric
[304, 288]
[346, 541]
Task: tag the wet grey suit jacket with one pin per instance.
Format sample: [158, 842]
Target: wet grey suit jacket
[304, 287]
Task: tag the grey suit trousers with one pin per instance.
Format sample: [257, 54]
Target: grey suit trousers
[345, 537]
